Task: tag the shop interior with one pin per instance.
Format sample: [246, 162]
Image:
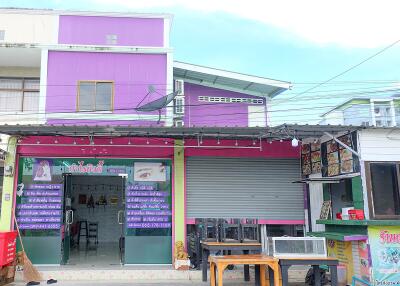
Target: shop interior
[96, 235]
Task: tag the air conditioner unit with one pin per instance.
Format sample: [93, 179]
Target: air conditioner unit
[179, 87]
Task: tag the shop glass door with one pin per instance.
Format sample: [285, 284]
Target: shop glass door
[39, 209]
[121, 220]
[148, 223]
[68, 219]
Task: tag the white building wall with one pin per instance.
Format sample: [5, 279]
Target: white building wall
[257, 116]
[334, 118]
[379, 145]
[28, 28]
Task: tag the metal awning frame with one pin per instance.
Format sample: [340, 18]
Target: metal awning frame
[281, 132]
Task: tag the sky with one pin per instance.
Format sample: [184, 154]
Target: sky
[305, 42]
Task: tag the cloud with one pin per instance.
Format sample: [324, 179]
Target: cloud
[346, 23]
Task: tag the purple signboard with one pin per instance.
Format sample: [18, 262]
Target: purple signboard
[145, 200]
[147, 207]
[40, 207]
[40, 226]
[148, 212]
[146, 194]
[149, 225]
[38, 219]
[43, 200]
[38, 213]
[45, 187]
[140, 188]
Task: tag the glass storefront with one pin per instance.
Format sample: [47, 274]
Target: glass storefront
[44, 201]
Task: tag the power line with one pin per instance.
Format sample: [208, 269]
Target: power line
[351, 68]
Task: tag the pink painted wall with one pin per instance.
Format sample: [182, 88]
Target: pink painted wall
[200, 113]
[272, 150]
[151, 150]
[92, 30]
[131, 73]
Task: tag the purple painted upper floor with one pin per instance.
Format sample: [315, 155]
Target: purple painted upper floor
[103, 88]
[208, 106]
[116, 31]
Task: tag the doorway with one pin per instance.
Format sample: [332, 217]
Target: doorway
[94, 230]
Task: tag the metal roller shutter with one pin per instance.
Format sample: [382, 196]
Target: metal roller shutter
[243, 188]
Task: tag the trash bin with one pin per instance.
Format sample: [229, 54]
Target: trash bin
[8, 246]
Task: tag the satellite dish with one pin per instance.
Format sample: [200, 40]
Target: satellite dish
[158, 104]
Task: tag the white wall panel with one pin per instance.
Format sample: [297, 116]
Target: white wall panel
[29, 28]
[379, 145]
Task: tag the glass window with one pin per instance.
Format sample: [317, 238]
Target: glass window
[341, 196]
[19, 94]
[385, 189]
[103, 96]
[95, 96]
[31, 101]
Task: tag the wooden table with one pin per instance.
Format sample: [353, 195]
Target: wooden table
[315, 262]
[212, 247]
[219, 263]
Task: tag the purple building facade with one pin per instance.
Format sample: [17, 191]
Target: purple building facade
[104, 67]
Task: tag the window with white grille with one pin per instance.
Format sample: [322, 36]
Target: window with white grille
[179, 87]
[221, 99]
[19, 94]
[179, 106]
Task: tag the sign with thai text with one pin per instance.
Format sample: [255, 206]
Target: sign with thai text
[147, 207]
[40, 207]
[83, 168]
[385, 254]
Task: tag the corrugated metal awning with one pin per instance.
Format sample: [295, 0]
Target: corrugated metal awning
[233, 81]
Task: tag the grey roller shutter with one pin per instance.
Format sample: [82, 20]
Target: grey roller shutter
[244, 188]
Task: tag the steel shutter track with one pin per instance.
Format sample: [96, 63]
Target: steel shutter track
[244, 188]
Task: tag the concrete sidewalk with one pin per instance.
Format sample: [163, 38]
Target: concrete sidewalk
[147, 283]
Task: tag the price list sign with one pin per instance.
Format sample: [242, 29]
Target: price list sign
[147, 207]
[40, 207]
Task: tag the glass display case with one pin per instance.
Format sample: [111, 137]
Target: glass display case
[296, 247]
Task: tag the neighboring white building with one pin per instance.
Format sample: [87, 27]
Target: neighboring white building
[380, 112]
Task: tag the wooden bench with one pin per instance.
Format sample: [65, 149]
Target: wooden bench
[219, 263]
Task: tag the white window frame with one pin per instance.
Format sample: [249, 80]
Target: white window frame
[392, 111]
[23, 90]
[179, 108]
[179, 87]
[94, 109]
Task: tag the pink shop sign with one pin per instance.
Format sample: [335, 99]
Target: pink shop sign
[83, 168]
